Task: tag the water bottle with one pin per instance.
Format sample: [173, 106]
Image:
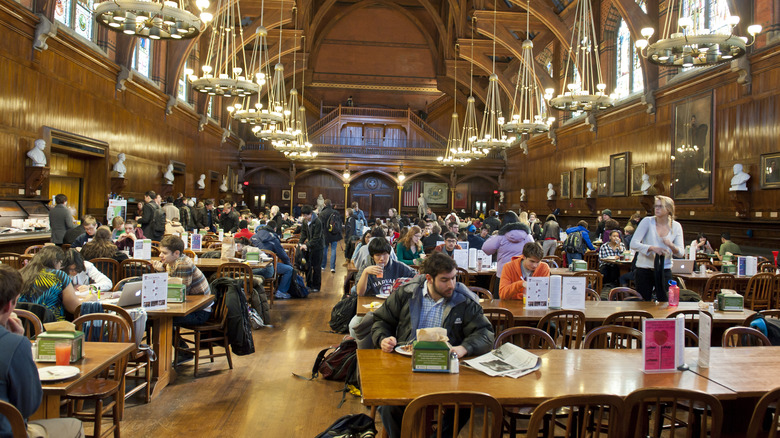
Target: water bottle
[674, 294]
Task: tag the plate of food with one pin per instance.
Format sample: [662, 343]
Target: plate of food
[373, 305]
[404, 349]
[57, 372]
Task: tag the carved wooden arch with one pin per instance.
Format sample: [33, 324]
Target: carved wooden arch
[489, 179]
[314, 48]
[274, 169]
[557, 25]
[439, 177]
[318, 169]
[360, 173]
[176, 58]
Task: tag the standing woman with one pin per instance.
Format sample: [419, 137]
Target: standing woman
[410, 248]
[656, 240]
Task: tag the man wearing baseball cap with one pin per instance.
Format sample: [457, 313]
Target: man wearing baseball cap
[475, 241]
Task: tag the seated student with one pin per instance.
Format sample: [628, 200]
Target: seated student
[101, 246]
[610, 225]
[266, 238]
[117, 227]
[410, 248]
[375, 279]
[173, 226]
[363, 241]
[515, 273]
[90, 227]
[450, 244]
[475, 240]
[243, 230]
[83, 273]
[434, 237]
[612, 248]
[176, 264]
[19, 381]
[126, 242]
[703, 245]
[363, 257]
[435, 299]
[727, 246]
[45, 284]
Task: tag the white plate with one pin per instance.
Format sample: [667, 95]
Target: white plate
[399, 349]
[57, 372]
[383, 296]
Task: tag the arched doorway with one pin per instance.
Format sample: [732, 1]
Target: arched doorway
[374, 193]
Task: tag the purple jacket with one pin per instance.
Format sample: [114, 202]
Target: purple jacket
[508, 245]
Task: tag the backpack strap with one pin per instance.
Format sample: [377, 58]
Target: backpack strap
[315, 369]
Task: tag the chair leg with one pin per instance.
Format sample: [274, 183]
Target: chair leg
[197, 352]
[227, 351]
[148, 371]
[117, 412]
[98, 418]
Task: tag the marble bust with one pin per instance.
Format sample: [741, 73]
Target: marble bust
[522, 195]
[740, 179]
[202, 181]
[645, 183]
[320, 202]
[169, 174]
[223, 187]
[550, 192]
[589, 193]
[37, 154]
[240, 189]
[119, 166]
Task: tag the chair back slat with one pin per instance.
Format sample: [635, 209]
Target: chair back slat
[566, 327]
[685, 412]
[31, 324]
[616, 337]
[458, 403]
[628, 318]
[108, 267]
[597, 415]
[500, 318]
[481, 292]
[715, 284]
[765, 414]
[14, 417]
[623, 294]
[594, 278]
[135, 268]
[758, 294]
[744, 337]
[530, 338]
[11, 259]
[240, 271]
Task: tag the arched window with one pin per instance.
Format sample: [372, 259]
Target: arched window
[628, 69]
[707, 14]
[142, 57]
[184, 86]
[76, 14]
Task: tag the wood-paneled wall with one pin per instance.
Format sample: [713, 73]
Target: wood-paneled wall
[745, 125]
[73, 88]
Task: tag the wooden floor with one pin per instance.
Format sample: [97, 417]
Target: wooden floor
[260, 397]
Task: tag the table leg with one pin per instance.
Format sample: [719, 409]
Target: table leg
[162, 343]
[49, 408]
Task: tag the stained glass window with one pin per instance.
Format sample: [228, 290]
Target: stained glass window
[62, 11]
[707, 14]
[182, 91]
[83, 22]
[210, 108]
[629, 69]
[142, 57]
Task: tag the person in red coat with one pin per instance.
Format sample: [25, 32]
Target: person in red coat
[521, 267]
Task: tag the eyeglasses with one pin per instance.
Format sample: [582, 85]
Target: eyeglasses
[659, 206]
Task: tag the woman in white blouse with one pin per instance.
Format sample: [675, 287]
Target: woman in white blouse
[656, 240]
[83, 273]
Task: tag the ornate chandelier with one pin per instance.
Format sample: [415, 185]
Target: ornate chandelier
[528, 116]
[289, 139]
[154, 19]
[302, 151]
[694, 46]
[223, 71]
[586, 93]
[491, 134]
[449, 158]
[466, 148]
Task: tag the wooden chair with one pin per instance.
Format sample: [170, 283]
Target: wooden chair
[112, 328]
[293, 240]
[622, 293]
[765, 414]
[30, 322]
[578, 416]
[155, 244]
[691, 338]
[272, 283]
[689, 413]
[500, 318]
[628, 318]
[715, 284]
[190, 253]
[435, 406]
[290, 249]
[14, 417]
[463, 276]
[566, 327]
[766, 267]
[707, 265]
[155, 251]
[204, 336]
[240, 271]
[691, 318]
[135, 268]
[592, 258]
[613, 337]
[744, 337]
[481, 292]
[553, 261]
[11, 259]
[591, 295]
[530, 338]
[594, 279]
[33, 249]
[215, 245]
[121, 283]
[758, 293]
[108, 267]
[495, 281]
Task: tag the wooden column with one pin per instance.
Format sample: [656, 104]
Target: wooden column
[400, 197]
[452, 198]
[292, 197]
[346, 197]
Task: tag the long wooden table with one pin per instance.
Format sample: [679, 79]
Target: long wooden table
[162, 337]
[97, 357]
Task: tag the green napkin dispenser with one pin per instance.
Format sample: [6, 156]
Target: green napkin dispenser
[729, 268]
[579, 265]
[47, 341]
[731, 302]
[431, 357]
[177, 293]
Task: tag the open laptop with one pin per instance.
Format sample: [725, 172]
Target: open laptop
[131, 295]
[682, 266]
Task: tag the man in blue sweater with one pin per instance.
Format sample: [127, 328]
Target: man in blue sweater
[582, 241]
[266, 238]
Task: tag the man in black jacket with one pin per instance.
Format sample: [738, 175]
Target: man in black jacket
[146, 221]
[228, 220]
[313, 241]
[492, 221]
[332, 236]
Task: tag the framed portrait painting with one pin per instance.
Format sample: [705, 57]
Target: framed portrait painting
[770, 171]
[692, 150]
[578, 183]
[285, 195]
[603, 181]
[618, 175]
[565, 185]
[637, 170]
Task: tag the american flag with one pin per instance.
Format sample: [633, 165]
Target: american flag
[410, 193]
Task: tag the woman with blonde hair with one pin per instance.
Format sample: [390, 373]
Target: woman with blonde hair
[276, 216]
[656, 240]
[44, 283]
[410, 247]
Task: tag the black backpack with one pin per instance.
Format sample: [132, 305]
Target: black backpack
[334, 223]
[239, 327]
[298, 287]
[351, 426]
[301, 262]
[342, 313]
[574, 243]
[158, 220]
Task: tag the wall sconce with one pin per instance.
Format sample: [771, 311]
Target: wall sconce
[346, 173]
[401, 176]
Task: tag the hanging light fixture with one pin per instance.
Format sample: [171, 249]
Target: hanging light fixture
[466, 149]
[401, 175]
[346, 173]
[289, 141]
[303, 152]
[491, 134]
[223, 71]
[453, 139]
[154, 19]
[688, 45]
[587, 92]
[528, 116]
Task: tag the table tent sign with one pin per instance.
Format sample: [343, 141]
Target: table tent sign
[555, 292]
[154, 291]
[143, 249]
[663, 346]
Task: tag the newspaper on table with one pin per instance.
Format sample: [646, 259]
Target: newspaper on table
[508, 360]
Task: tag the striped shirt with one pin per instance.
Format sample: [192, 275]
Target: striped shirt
[193, 280]
[432, 311]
